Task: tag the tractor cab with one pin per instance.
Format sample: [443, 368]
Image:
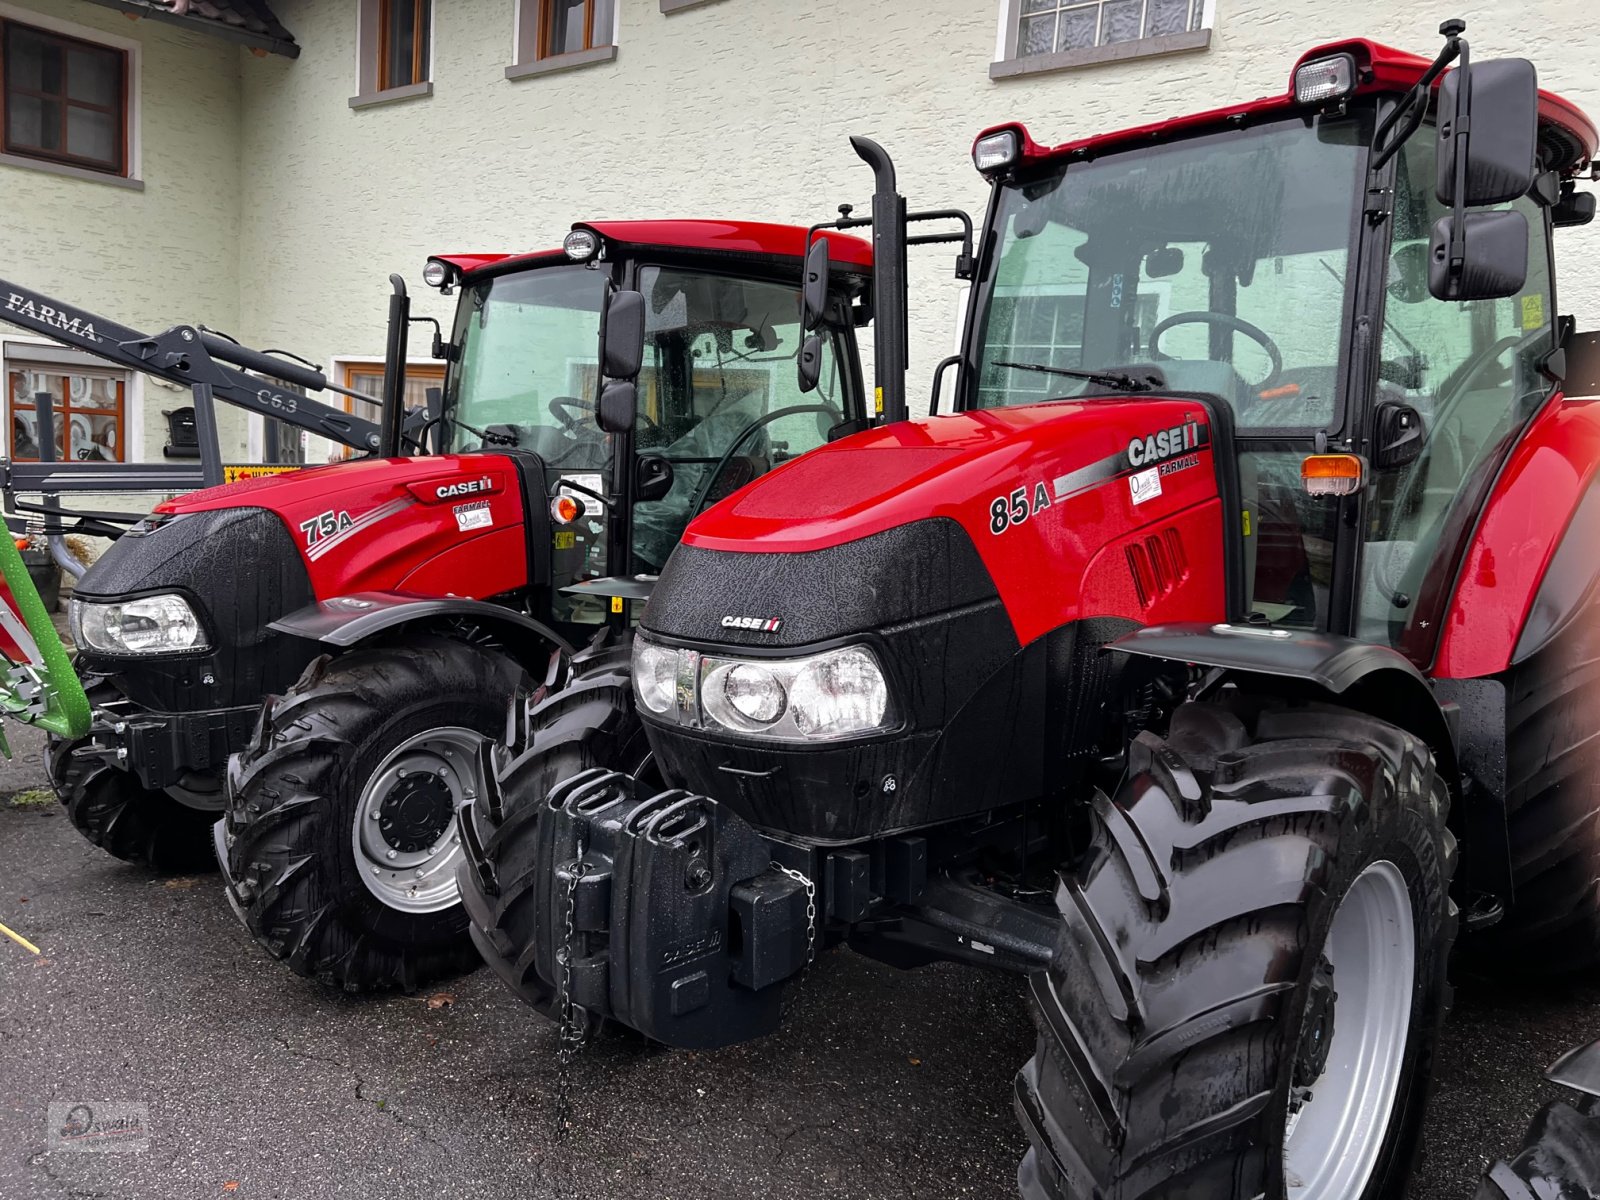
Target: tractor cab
[709, 350]
[1281, 257]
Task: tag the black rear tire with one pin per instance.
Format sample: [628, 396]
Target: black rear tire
[116, 812]
[293, 795]
[1171, 1017]
[589, 723]
[1560, 1158]
[1553, 813]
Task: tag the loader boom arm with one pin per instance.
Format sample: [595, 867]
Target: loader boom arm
[187, 357]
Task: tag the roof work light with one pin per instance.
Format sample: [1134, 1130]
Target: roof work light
[1325, 79]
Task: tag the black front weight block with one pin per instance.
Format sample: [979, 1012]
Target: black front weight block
[679, 925]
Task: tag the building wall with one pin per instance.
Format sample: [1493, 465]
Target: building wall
[147, 258]
[736, 108]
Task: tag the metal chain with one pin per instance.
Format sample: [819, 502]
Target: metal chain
[573, 1034]
[811, 922]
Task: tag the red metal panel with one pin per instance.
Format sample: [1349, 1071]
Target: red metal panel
[1065, 559]
[741, 237]
[374, 523]
[1522, 525]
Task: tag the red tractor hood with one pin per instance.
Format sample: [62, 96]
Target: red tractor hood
[448, 524]
[1067, 491]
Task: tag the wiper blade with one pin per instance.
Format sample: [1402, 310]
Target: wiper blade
[1119, 381]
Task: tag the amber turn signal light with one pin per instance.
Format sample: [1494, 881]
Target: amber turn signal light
[1333, 474]
[565, 510]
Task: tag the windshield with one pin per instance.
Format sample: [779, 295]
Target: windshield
[1222, 260]
[526, 348]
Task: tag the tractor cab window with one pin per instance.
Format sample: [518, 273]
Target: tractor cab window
[719, 395]
[526, 351]
[1469, 372]
[1222, 259]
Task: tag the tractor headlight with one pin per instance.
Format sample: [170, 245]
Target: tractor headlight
[655, 675]
[163, 624]
[822, 697]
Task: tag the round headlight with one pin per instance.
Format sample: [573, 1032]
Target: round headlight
[839, 694]
[581, 245]
[435, 274]
[655, 675]
[755, 693]
[744, 696]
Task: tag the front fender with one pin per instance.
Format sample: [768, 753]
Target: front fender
[346, 621]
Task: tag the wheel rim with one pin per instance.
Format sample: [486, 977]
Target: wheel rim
[404, 836]
[1332, 1137]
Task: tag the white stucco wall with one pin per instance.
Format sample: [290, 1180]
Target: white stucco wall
[147, 258]
[736, 108]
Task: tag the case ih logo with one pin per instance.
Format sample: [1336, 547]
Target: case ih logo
[470, 487]
[53, 317]
[759, 624]
[1169, 443]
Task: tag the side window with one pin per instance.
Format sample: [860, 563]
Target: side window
[1470, 371]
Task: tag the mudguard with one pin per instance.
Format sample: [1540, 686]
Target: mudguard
[38, 686]
[1578, 1069]
[345, 621]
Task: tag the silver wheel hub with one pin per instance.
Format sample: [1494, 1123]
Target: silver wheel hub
[1352, 1044]
[404, 834]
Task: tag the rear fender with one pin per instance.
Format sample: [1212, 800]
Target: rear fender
[346, 621]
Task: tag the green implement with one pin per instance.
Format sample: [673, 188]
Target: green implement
[37, 683]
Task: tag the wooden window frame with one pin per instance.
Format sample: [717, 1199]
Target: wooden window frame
[65, 408]
[421, 13]
[345, 371]
[547, 20]
[122, 110]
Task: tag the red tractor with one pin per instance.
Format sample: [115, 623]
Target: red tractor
[1233, 646]
[596, 397]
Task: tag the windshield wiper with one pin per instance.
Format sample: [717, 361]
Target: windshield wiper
[1119, 381]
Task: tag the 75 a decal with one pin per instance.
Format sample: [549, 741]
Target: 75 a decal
[325, 525]
[1017, 507]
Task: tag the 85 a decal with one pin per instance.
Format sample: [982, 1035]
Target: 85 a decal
[1017, 507]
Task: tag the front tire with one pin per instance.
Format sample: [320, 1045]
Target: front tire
[1193, 1041]
[340, 830]
[127, 820]
[589, 723]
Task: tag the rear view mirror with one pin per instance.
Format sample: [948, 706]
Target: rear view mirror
[1574, 208]
[1159, 264]
[1504, 140]
[814, 293]
[810, 362]
[618, 408]
[622, 336]
[1495, 248]
[652, 478]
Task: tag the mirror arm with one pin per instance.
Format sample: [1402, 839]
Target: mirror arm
[1459, 133]
[1415, 105]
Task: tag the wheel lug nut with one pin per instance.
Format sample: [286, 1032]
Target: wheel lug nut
[391, 854]
[419, 874]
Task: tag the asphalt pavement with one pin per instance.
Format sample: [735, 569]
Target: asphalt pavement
[259, 1084]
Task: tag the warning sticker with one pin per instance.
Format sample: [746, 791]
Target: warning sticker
[1146, 485]
[1533, 311]
[473, 516]
[233, 474]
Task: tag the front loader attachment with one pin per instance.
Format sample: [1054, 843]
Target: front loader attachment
[37, 683]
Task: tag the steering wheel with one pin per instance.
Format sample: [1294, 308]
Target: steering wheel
[704, 490]
[1236, 324]
[559, 406]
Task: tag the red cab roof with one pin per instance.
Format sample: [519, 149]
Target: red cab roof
[728, 237]
[1380, 68]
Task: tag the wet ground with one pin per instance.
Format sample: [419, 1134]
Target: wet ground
[259, 1084]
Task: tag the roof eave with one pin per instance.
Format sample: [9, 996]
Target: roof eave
[228, 33]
